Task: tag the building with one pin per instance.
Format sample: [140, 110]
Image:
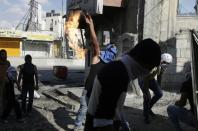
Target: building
[38, 44]
[112, 18]
[169, 24]
[11, 41]
[53, 22]
[162, 20]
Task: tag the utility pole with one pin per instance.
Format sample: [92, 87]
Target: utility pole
[30, 20]
[63, 39]
[140, 23]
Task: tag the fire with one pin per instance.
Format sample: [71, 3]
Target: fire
[72, 33]
[73, 19]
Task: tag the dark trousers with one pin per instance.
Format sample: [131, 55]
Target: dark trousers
[154, 86]
[105, 128]
[10, 104]
[27, 89]
[89, 125]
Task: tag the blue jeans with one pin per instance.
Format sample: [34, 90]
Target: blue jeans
[80, 118]
[177, 114]
[82, 112]
[154, 86]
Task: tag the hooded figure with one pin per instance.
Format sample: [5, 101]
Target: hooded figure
[112, 81]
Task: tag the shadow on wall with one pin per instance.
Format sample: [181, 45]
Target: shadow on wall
[179, 48]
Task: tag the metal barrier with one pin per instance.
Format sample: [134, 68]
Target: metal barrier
[194, 66]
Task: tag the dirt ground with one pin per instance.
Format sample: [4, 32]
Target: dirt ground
[134, 114]
[48, 115]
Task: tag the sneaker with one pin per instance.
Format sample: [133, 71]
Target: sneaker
[152, 114]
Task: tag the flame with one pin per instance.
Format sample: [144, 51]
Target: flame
[72, 33]
[73, 19]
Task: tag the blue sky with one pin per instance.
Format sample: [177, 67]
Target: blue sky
[186, 5]
[12, 11]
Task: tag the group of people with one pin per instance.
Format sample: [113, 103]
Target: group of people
[105, 86]
[108, 79]
[9, 79]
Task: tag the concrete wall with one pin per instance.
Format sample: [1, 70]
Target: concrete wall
[57, 23]
[129, 21]
[49, 63]
[160, 19]
[152, 17]
[38, 50]
[179, 47]
[172, 32]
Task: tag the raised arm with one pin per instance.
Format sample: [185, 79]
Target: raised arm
[94, 41]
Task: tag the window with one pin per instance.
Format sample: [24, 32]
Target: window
[106, 37]
[187, 7]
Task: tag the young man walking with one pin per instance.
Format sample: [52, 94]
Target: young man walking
[110, 84]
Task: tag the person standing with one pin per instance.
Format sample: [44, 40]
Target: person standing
[9, 97]
[4, 64]
[28, 75]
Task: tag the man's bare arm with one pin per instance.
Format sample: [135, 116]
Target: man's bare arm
[94, 41]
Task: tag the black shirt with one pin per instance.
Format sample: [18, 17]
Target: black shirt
[28, 71]
[94, 69]
[114, 81]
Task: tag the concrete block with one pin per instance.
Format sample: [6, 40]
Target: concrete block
[178, 53]
[181, 61]
[183, 35]
[185, 53]
[179, 69]
[182, 43]
[74, 93]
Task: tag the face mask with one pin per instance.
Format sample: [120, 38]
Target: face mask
[163, 67]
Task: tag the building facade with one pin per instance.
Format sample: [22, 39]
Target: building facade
[167, 23]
